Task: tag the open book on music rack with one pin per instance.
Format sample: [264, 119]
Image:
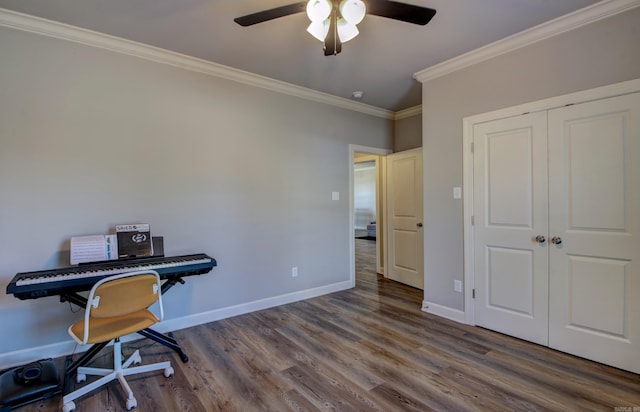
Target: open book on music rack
[94, 248]
[134, 240]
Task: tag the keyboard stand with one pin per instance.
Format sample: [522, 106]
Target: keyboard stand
[70, 281]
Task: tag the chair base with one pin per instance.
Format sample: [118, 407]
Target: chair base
[119, 371]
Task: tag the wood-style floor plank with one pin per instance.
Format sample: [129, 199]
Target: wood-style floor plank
[370, 348]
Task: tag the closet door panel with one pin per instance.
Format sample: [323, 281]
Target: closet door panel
[594, 215]
[510, 210]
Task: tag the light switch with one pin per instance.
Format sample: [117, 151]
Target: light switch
[335, 195]
[457, 193]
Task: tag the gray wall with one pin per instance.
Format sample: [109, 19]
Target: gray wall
[407, 133]
[91, 138]
[602, 53]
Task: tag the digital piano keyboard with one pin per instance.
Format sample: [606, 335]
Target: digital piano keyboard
[33, 285]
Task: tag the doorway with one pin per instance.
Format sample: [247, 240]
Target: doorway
[365, 196]
[370, 163]
[367, 206]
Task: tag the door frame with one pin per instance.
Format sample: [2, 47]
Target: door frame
[468, 124]
[380, 250]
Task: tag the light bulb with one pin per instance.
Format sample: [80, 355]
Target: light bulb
[346, 31]
[318, 10]
[353, 11]
[319, 29]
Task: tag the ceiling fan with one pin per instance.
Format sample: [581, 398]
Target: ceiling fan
[334, 21]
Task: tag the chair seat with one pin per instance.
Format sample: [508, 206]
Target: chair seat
[105, 329]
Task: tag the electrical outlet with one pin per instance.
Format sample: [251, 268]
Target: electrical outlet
[294, 271]
[457, 286]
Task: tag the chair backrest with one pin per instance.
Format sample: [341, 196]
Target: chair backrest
[123, 294]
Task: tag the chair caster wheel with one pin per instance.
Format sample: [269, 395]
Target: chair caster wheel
[68, 407]
[131, 403]
[168, 372]
[81, 377]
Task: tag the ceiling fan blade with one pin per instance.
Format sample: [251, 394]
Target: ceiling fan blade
[400, 11]
[262, 16]
[332, 43]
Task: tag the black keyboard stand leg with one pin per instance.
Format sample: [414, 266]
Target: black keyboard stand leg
[166, 341]
[82, 361]
[85, 358]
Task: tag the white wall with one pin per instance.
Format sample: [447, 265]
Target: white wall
[91, 138]
[364, 196]
[601, 53]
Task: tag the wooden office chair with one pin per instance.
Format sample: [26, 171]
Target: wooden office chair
[117, 306]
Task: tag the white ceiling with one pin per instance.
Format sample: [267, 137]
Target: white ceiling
[380, 61]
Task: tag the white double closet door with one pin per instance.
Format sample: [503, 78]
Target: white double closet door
[556, 205]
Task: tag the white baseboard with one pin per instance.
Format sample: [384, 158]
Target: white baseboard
[443, 311]
[223, 313]
[55, 350]
[23, 356]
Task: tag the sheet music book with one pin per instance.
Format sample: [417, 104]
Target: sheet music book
[93, 248]
[134, 240]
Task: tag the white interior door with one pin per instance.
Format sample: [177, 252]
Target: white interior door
[594, 190]
[510, 212]
[404, 210]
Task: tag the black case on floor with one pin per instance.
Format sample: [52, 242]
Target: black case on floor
[29, 383]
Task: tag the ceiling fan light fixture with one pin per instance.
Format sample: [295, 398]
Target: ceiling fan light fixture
[319, 29]
[318, 10]
[353, 11]
[334, 21]
[346, 30]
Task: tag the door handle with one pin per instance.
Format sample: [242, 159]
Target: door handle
[419, 224]
[556, 240]
[540, 239]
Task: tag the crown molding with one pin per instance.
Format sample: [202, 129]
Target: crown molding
[410, 112]
[37, 25]
[568, 22]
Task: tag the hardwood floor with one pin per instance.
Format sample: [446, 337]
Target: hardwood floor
[370, 348]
